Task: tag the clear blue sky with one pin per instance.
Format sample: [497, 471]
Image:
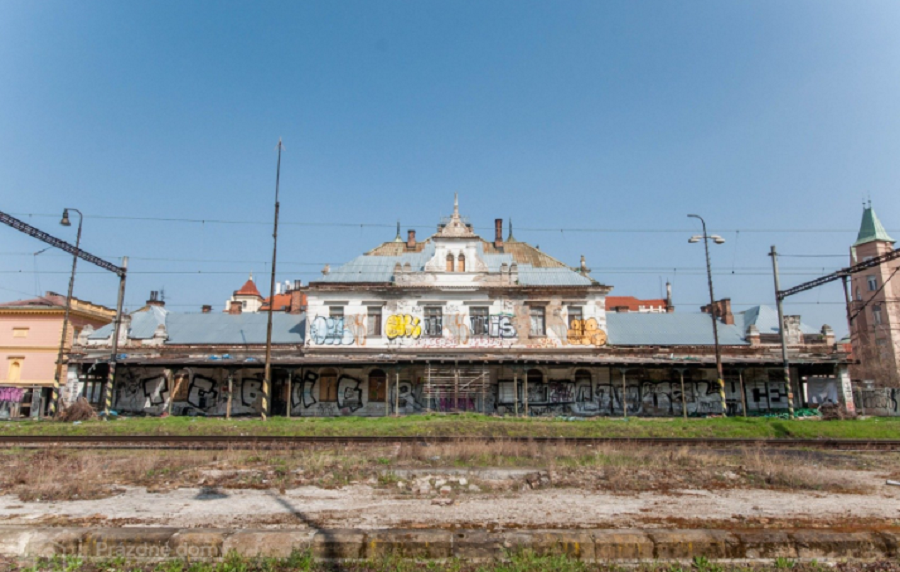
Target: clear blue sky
[764, 116]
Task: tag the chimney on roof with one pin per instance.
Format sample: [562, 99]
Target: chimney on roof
[298, 302]
[498, 233]
[670, 307]
[154, 299]
[236, 307]
[410, 239]
[721, 310]
[206, 308]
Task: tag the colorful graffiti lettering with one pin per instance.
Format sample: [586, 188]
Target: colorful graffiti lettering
[458, 329]
[330, 332]
[586, 333]
[502, 326]
[402, 326]
[11, 394]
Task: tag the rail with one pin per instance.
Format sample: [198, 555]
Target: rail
[276, 441]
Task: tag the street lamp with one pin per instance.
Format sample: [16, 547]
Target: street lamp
[62, 343]
[705, 237]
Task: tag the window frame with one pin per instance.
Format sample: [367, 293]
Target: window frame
[434, 322]
[872, 282]
[537, 312]
[480, 321]
[374, 321]
[328, 385]
[461, 263]
[377, 386]
[335, 312]
[579, 311]
[877, 317]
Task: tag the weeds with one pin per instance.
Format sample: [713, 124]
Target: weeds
[525, 561]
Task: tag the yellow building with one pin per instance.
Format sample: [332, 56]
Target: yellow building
[30, 333]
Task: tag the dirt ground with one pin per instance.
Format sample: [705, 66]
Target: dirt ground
[450, 487]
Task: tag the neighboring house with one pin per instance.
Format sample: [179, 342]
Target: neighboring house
[459, 323]
[30, 334]
[875, 333]
[245, 299]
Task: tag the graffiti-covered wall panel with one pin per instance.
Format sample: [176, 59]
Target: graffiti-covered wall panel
[456, 322]
[373, 392]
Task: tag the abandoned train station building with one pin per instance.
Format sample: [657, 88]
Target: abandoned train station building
[456, 322]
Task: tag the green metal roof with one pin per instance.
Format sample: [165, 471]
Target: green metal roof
[870, 229]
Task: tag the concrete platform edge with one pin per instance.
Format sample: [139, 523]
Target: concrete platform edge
[593, 545]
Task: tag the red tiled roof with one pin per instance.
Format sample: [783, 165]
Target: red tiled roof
[248, 289]
[282, 303]
[633, 304]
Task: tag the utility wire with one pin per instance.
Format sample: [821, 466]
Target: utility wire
[484, 228]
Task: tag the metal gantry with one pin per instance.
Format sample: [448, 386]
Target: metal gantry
[119, 271]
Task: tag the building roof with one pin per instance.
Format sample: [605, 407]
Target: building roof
[248, 289]
[633, 304]
[765, 318]
[212, 328]
[234, 329]
[51, 300]
[871, 229]
[379, 267]
[676, 329]
[282, 303]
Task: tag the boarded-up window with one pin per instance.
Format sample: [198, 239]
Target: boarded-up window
[15, 371]
[377, 385]
[461, 263]
[449, 263]
[373, 324]
[328, 389]
[182, 388]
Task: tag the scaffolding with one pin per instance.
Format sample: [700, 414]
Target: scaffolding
[457, 388]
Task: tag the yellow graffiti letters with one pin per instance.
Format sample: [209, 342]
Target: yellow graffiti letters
[402, 326]
[586, 333]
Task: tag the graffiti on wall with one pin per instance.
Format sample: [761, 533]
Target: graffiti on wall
[11, 394]
[882, 401]
[202, 392]
[663, 398]
[330, 332]
[585, 333]
[350, 394]
[402, 326]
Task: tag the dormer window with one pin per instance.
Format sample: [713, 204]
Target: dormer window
[449, 263]
[461, 263]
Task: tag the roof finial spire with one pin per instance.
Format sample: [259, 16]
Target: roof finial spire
[510, 238]
[397, 238]
[455, 204]
[251, 276]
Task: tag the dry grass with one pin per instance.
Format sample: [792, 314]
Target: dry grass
[51, 474]
[81, 410]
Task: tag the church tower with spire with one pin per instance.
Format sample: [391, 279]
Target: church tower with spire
[876, 303]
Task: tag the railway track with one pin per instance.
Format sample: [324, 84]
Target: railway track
[215, 442]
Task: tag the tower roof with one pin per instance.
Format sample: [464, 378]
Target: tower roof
[871, 229]
[248, 289]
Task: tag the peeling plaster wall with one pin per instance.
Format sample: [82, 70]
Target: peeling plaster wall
[403, 323]
[565, 391]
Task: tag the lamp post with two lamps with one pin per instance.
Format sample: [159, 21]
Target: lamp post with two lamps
[706, 237]
[54, 398]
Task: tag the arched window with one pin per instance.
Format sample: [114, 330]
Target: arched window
[535, 376]
[377, 385]
[15, 371]
[449, 263]
[461, 263]
[328, 385]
